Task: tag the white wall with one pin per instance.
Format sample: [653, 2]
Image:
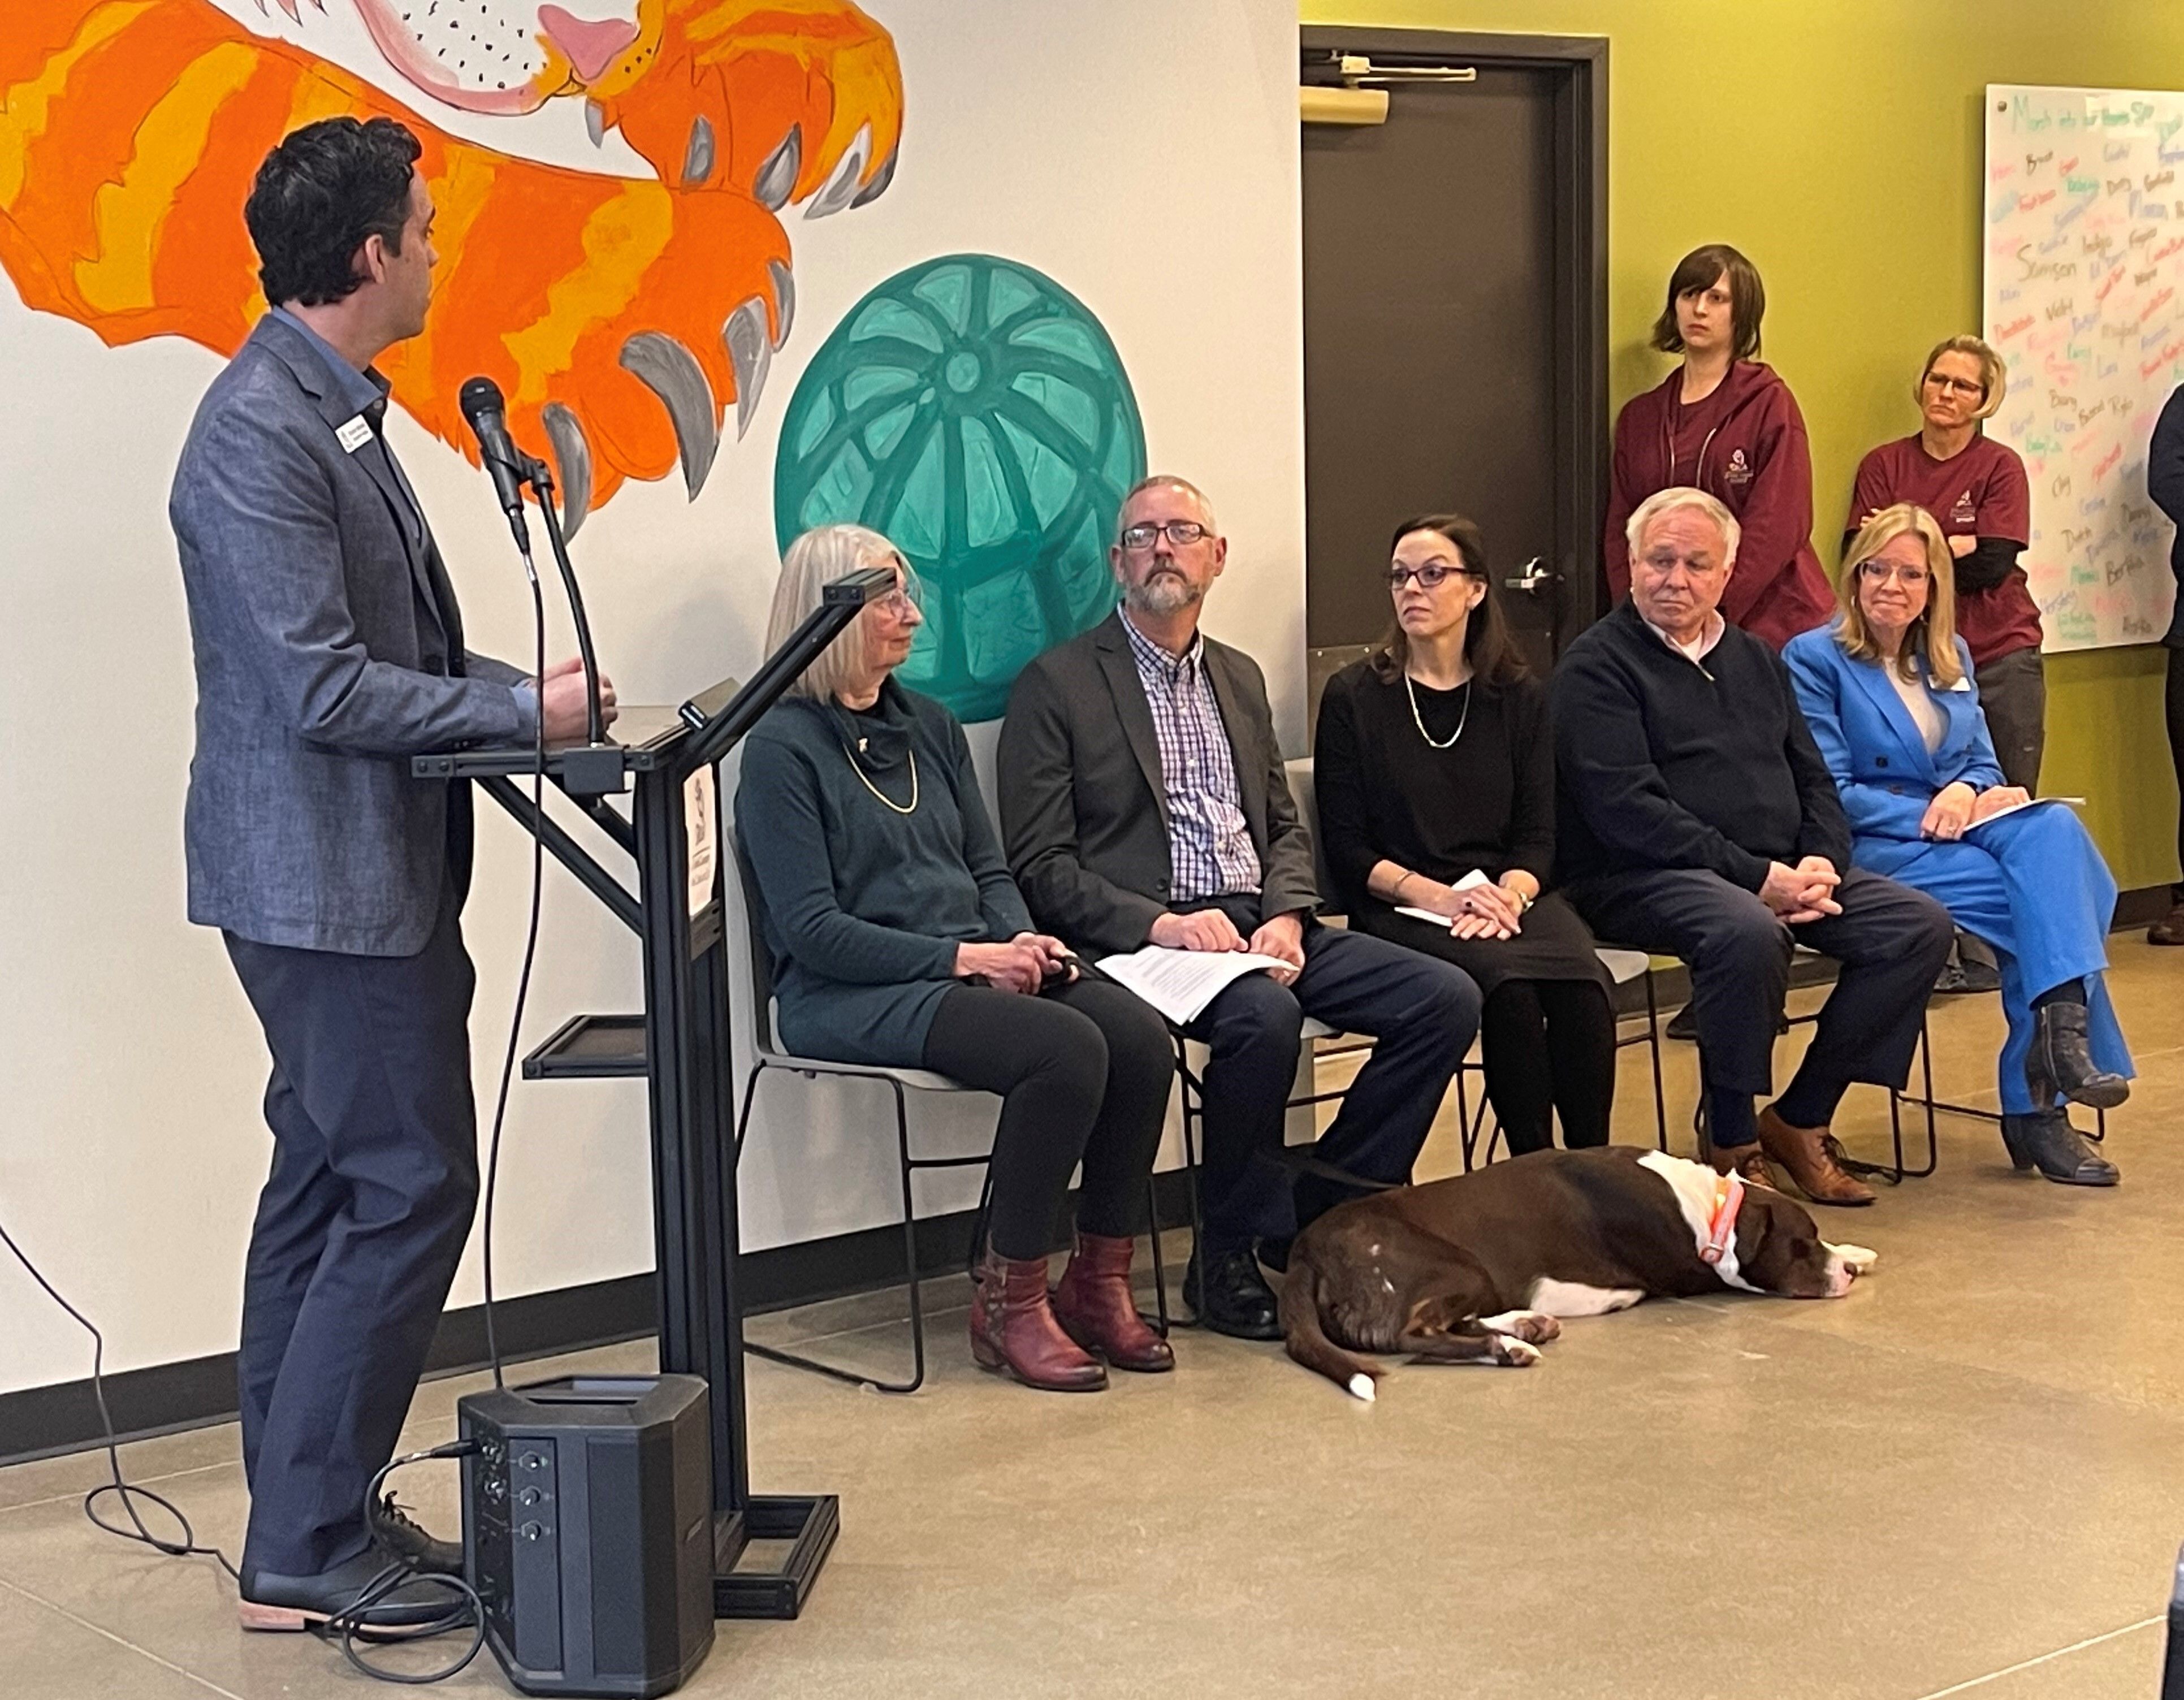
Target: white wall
[1142, 154]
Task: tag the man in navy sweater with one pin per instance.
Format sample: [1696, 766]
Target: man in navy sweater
[1696, 818]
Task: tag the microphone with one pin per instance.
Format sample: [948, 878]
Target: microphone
[484, 407]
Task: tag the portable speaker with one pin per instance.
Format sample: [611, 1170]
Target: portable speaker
[587, 1530]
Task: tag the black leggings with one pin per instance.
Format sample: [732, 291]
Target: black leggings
[1083, 1072]
[1549, 1046]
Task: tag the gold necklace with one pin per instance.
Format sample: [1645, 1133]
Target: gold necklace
[899, 808]
[1418, 720]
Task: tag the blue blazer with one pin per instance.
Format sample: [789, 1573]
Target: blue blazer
[1867, 737]
[329, 649]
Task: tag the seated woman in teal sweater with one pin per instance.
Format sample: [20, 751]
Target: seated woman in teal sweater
[900, 938]
[1887, 691]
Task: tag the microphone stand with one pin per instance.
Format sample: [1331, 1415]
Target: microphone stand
[583, 775]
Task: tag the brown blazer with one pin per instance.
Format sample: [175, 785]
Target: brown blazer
[1085, 805]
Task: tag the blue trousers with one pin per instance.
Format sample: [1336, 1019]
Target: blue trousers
[1423, 1014]
[363, 1217]
[2033, 885]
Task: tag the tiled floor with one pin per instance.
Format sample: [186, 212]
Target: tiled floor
[1968, 1477]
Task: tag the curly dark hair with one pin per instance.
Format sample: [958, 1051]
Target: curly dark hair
[318, 195]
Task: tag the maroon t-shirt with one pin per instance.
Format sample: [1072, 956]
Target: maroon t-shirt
[1980, 492]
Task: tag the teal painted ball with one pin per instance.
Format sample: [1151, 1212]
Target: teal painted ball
[975, 413]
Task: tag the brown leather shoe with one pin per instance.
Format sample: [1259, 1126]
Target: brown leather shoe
[1013, 1331]
[1808, 1155]
[1746, 1161]
[2169, 929]
[1093, 1306]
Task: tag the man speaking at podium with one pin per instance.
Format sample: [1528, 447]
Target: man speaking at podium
[329, 649]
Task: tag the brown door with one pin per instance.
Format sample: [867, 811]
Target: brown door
[1454, 330]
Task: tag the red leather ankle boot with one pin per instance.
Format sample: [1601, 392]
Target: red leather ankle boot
[1013, 1331]
[1093, 1306]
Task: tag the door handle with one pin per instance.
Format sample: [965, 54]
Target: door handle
[1532, 577]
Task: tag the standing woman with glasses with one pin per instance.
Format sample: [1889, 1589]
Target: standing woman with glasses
[1975, 489]
[1724, 422]
[1433, 760]
[900, 938]
[1888, 694]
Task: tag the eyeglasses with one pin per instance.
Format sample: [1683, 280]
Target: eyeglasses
[1431, 577]
[1181, 533]
[1880, 571]
[1961, 386]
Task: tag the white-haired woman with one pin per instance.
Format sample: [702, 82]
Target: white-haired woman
[1888, 694]
[1976, 491]
[901, 939]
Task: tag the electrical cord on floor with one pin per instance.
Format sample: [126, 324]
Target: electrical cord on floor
[465, 1610]
[187, 1545]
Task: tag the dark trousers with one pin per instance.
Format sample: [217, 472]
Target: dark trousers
[1422, 1015]
[2173, 701]
[1083, 1072]
[1890, 940]
[358, 1229]
[2013, 692]
[1549, 1047]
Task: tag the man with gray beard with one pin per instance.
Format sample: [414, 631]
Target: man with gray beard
[1143, 802]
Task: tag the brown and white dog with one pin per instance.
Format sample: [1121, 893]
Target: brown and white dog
[1476, 1268]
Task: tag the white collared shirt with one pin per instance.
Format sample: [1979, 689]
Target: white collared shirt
[1694, 652]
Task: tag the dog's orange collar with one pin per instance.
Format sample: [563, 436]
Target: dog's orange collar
[1721, 1229]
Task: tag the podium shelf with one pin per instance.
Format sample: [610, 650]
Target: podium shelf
[592, 1047]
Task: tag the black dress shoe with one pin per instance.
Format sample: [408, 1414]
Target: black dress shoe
[411, 1541]
[2046, 1141]
[1232, 1297]
[271, 1601]
[2061, 1060]
[1684, 1024]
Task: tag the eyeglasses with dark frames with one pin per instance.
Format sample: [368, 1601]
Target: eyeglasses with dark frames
[1181, 533]
[1430, 577]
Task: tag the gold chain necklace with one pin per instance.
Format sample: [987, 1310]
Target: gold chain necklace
[900, 809]
[1418, 720]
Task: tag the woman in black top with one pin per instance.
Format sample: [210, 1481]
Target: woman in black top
[1432, 760]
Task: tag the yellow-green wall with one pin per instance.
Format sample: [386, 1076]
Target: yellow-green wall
[1838, 143]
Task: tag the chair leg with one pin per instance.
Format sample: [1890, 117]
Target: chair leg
[1654, 1049]
[855, 1379]
[1463, 1117]
[1160, 1263]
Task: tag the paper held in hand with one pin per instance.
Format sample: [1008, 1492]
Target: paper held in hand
[1433, 917]
[2028, 803]
[1180, 984]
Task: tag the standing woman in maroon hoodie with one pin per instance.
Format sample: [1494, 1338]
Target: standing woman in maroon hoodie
[1726, 424]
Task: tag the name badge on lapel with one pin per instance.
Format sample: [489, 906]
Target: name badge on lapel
[354, 435]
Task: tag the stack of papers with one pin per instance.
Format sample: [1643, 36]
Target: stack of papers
[1180, 984]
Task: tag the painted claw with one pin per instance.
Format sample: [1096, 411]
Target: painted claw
[595, 122]
[751, 353]
[572, 458]
[878, 187]
[841, 188]
[776, 178]
[671, 372]
[698, 157]
[784, 299]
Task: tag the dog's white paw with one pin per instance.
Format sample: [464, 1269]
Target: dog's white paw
[1515, 1353]
[1535, 1326]
[1361, 1386]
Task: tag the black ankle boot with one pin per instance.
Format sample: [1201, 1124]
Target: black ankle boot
[2046, 1141]
[2061, 1061]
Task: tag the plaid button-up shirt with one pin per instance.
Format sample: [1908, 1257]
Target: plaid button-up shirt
[1210, 847]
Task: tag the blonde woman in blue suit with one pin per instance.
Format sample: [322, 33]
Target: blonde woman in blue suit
[1887, 691]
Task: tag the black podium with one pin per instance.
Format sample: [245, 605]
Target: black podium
[667, 759]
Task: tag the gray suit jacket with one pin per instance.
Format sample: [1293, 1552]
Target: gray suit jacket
[1085, 804]
[328, 651]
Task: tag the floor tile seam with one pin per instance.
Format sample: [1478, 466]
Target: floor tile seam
[2044, 1658]
[105, 1634]
[134, 1481]
[2112, 1401]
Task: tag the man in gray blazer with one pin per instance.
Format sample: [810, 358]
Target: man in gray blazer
[329, 649]
[1143, 802]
